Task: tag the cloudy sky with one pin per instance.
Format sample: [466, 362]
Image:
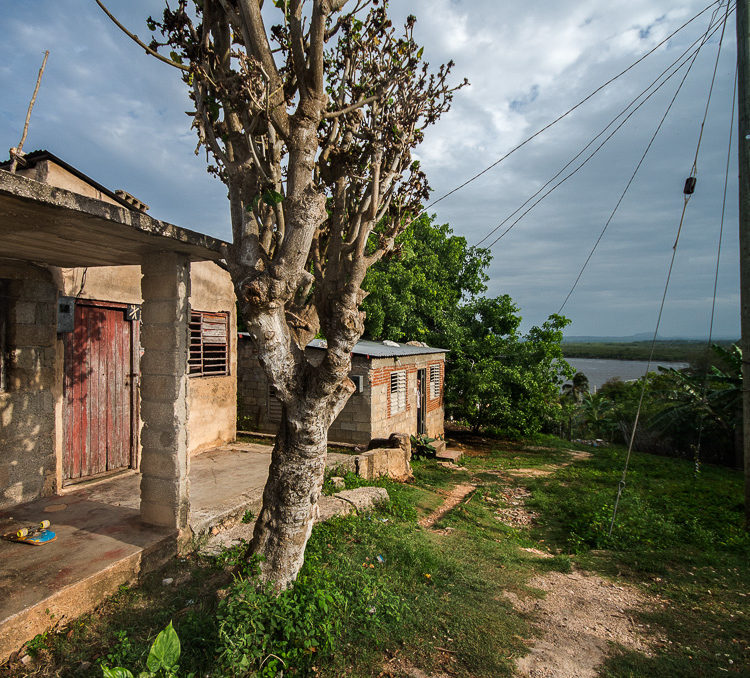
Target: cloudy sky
[118, 116]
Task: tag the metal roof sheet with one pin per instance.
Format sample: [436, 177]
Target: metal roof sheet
[378, 349]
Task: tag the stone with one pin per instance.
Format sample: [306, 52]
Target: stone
[364, 498]
[338, 483]
[330, 507]
[401, 440]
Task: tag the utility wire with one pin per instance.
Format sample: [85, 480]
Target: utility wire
[515, 222]
[710, 30]
[686, 200]
[704, 387]
[693, 170]
[568, 112]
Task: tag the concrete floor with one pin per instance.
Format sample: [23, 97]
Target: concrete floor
[101, 542]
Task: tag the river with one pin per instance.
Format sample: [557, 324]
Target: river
[599, 370]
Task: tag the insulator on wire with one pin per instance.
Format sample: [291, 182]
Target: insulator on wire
[689, 186]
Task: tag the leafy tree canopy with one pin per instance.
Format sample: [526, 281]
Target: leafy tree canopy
[432, 291]
[415, 295]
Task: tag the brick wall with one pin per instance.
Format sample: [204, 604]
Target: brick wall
[366, 415]
[384, 420]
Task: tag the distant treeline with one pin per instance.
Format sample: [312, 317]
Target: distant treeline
[671, 351]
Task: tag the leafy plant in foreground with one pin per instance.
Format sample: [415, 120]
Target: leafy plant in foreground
[163, 658]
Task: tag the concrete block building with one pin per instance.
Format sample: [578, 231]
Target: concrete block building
[117, 341]
[399, 389]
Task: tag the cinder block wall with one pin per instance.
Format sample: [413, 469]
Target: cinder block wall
[366, 415]
[353, 425]
[28, 440]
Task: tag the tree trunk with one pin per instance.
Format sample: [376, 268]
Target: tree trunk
[290, 497]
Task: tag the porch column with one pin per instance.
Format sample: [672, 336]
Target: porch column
[165, 288]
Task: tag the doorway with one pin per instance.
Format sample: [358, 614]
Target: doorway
[100, 396]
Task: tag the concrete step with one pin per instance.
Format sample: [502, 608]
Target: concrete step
[450, 455]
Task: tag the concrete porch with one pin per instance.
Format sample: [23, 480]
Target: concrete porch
[102, 542]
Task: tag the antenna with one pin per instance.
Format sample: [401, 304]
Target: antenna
[16, 153]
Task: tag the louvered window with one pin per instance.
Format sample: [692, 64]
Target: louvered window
[434, 381]
[398, 391]
[209, 344]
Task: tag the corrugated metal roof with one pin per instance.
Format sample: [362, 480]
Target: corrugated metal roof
[378, 349]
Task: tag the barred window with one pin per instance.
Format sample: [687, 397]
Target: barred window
[209, 344]
[398, 391]
[434, 381]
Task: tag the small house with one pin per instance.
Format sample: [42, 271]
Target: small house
[117, 340]
[398, 389]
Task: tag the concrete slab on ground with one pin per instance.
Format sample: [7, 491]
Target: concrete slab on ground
[101, 542]
[450, 455]
[98, 548]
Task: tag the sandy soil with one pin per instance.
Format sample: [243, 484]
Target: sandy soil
[578, 617]
[453, 499]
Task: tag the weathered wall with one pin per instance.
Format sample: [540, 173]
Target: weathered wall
[213, 400]
[384, 421]
[366, 415]
[256, 414]
[50, 173]
[28, 438]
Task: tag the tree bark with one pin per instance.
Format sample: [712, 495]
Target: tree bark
[290, 498]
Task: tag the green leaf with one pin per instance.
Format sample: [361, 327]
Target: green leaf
[116, 672]
[175, 57]
[271, 197]
[165, 652]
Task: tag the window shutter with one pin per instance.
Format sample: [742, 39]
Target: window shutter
[209, 344]
[434, 381]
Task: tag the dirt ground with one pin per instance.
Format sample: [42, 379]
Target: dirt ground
[579, 614]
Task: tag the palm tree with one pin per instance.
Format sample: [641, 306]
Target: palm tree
[577, 387]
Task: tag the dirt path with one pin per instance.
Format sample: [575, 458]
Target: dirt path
[578, 618]
[580, 614]
[453, 499]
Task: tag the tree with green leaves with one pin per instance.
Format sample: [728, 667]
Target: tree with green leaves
[416, 293]
[501, 379]
[310, 112]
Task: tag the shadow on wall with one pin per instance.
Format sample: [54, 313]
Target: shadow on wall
[31, 382]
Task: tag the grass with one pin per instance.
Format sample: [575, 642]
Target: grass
[379, 593]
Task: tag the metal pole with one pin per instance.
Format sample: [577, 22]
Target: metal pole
[743, 140]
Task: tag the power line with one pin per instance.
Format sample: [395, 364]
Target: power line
[702, 38]
[645, 153]
[693, 171]
[568, 112]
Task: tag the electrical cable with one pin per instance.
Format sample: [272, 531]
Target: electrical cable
[686, 200]
[568, 112]
[709, 32]
[645, 153]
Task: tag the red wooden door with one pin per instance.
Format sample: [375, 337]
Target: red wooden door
[98, 392]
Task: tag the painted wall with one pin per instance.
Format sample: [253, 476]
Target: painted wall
[48, 172]
[212, 400]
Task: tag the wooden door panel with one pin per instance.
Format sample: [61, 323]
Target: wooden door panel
[98, 396]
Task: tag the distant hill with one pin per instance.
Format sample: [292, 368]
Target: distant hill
[632, 348]
[643, 336]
